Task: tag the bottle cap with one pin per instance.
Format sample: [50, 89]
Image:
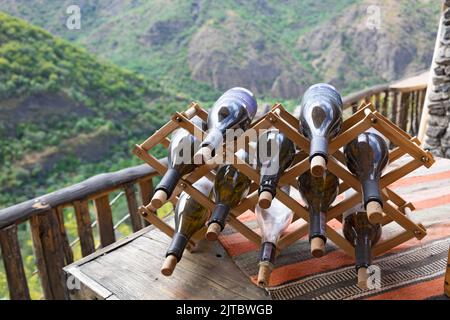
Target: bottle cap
[318, 166]
[213, 231]
[363, 276]
[317, 247]
[265, 200]
[265, 269]
[169, 265]
[374, 212]
[159, 198]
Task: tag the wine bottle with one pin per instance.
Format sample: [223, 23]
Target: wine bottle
[230, 187]
[235, 109]
[363, 235]
[190, 217]
[180, 160]
[366, 157]
[320, 120]
[319, 193]
[272, 221]
[275, 154]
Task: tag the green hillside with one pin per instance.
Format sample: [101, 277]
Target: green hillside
[65, 115]
[275, 48]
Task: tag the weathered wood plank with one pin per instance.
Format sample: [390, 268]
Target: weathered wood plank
[135, 217]
[207, 274]
[68, 253]
[84, 190]
[49, 255]
[83, 287]
[12, 259]
[104, 220]
[84, 227]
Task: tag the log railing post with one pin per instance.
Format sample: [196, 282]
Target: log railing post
[84, 227]
[135, 217]
[68, 254]
[146, 190]
[104, 220]
[12, 259]
[49, 255]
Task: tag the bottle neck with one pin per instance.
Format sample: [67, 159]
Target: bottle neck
[219, 215]
[213, 140]
[371, 191]
[318, 147]
[268, 252]
[317, 224]
[363, 251]
[269, 183]
[177, 246]
[169, 182]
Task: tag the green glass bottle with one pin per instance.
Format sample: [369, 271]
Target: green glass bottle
[318, 193]
[275, 154]
[235, 109]
[367, 156]
[182, 147]
[363, 235]
[230, 187]
[190, 217]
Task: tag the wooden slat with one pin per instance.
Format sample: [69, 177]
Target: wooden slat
[12, 259]
[49, 255]
[135, 217]
[68, 254]
[104, 220]
[84, 227]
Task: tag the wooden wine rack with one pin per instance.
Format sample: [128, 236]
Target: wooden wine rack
[395, 208]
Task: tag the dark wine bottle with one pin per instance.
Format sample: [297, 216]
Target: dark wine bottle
[366, 157]
[190, 217]
[230, 187]
[272, 221]
[180, 160]
[318, 193]
[363, 235]
[235, 109]
[320, 121]
[275, 154]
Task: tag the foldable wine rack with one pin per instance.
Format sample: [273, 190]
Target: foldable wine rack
[395, 208]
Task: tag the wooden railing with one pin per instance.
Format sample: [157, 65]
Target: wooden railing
[401, 103]
[51, 245]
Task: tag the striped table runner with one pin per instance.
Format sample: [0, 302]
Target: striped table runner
[413, 270]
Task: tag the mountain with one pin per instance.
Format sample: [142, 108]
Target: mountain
[275, 48]
[66, 115]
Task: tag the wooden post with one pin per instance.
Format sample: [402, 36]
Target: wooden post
[104, 220]
[12, 259]
[135, 217]
[84, 227]
[385, 103]
[68, 254]
[146, 189]
[49, 255]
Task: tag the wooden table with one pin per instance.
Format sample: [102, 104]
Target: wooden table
[129, 269]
